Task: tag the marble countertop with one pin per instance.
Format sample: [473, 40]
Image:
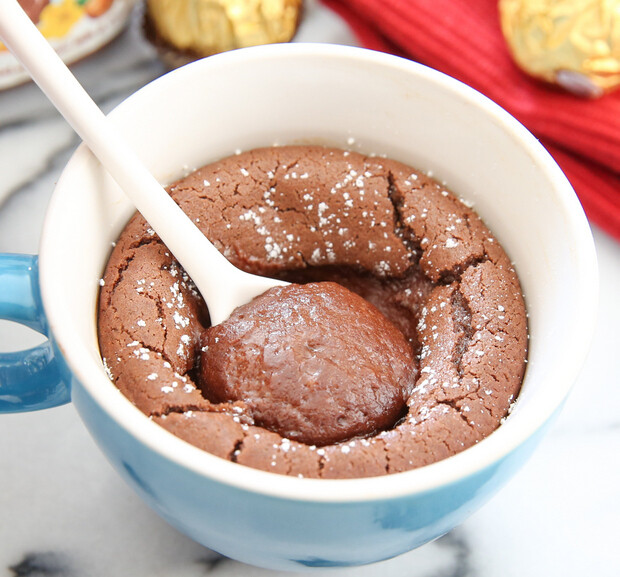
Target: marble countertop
[65, 512]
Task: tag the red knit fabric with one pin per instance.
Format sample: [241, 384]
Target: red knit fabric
[464, 40]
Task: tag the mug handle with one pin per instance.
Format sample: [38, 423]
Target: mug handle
[30, 379]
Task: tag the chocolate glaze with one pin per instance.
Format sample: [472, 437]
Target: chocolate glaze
[315, 363]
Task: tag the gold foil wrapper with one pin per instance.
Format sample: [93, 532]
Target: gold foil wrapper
[198, 28]
[572, 43]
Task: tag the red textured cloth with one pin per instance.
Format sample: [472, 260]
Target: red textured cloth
[464, 40]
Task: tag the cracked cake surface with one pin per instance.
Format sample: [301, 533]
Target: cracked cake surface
[381, 229]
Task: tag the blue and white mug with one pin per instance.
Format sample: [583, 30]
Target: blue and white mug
[304, 93]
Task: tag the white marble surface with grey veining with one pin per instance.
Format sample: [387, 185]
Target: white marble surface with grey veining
[64, 512]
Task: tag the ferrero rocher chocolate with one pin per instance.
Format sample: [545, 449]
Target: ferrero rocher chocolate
[197, 28]
[572, 43]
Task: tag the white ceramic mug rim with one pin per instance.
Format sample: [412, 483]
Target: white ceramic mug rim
[475, 459]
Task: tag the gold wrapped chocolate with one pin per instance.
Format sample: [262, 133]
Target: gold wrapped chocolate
[572, 43]
[197, 28]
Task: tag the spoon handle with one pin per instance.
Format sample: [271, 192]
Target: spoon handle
[221, 284]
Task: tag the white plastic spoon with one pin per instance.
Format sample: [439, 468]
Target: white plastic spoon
[222, 285]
